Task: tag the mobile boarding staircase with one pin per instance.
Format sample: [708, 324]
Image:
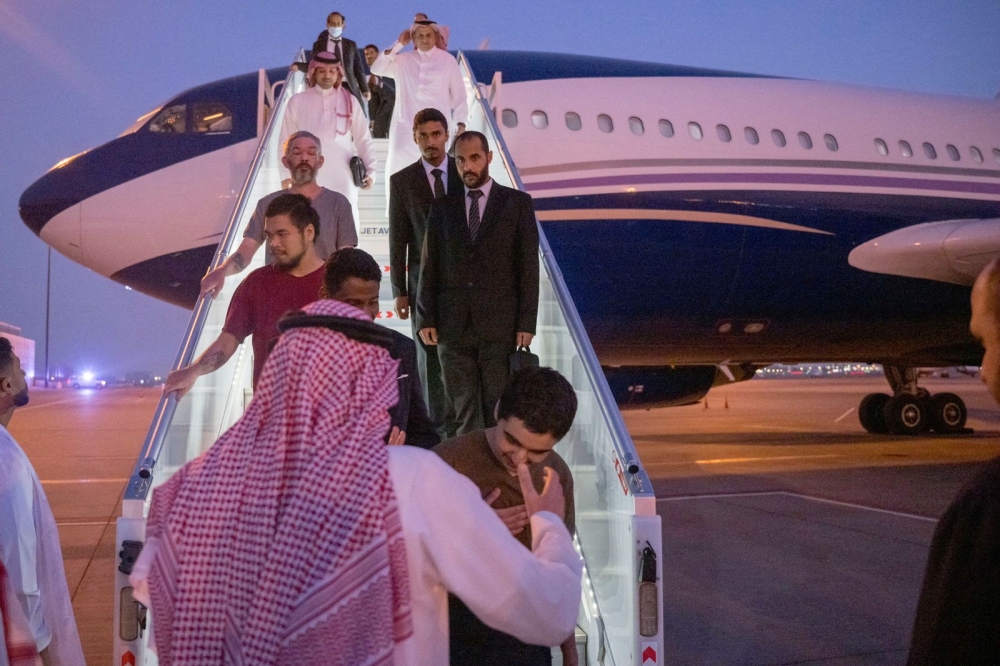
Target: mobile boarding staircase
[618, 531]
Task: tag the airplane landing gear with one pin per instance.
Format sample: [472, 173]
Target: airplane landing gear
[911, 409]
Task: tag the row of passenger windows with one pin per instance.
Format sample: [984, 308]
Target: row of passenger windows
[540, 120]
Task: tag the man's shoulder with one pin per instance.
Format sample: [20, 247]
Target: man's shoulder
[268, 198]
[408, 172]
[333, 198]
[402, 342]
[452, 449]
[556, 462]
[510, 192]
[13, 459]
[258, 276]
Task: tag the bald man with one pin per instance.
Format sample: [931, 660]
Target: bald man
[958, 617]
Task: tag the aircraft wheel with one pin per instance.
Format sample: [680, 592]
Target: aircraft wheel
[948, 413]
[871, 413]
[906, 414]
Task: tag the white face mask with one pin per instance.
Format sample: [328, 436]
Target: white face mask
[335, 32]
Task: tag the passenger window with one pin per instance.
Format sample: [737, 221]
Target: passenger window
[881, 147]
[666, 128]
[805, 141]
[539, 119]
[605, 124]
[905, 149]
[509, 118]
[977, 155]
[725, 135]
[635, 124]
[929, 151]
[953, 152]
[172, 120]
[211, 118]
[573, 121]
[831, 142]
[751, 135]
[694, 129]
[779, 138]
[996, 155]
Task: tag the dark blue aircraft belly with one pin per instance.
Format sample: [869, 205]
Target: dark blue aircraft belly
[656, 291]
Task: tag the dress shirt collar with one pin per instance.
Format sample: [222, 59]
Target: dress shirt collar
[485, 189]
[426, 54]
[428, 167]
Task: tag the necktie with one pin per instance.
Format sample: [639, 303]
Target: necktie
[474, 219]
[336, 50]
[438, 183]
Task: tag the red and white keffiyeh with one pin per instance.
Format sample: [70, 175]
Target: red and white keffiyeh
[18, 644]
[282, 543]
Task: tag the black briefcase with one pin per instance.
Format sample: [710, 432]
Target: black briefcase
[358, 171]
[522, 358]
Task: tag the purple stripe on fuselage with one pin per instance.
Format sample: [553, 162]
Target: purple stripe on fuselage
[770, 178]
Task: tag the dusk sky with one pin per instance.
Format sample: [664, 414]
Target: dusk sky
[76, 74]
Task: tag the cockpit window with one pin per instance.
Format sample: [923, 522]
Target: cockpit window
[171, 120]
[210, 117]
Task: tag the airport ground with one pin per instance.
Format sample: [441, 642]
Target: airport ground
[791, 536]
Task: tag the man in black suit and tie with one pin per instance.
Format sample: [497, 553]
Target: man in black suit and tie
[332, 40]
[411, 192]
[352, 276]
[383, 97]
[478, 295]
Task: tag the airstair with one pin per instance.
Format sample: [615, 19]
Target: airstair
[618, 531]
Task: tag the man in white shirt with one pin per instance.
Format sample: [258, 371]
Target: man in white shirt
[329, 110]
[316, 539]
[427, 77]
[29, 538]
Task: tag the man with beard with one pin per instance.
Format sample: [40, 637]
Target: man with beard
[291, 226]
[29, 539]
[332, 40]
[412, 190]
[478, 297]
[303, 157]
[327, 109]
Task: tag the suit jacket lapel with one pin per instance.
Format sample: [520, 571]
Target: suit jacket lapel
[494, 204]
[455, 187]
[426, 193]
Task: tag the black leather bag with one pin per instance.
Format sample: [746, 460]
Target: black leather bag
[522, 358]
[358, 171]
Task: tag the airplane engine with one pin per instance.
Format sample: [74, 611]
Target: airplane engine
[646, 387]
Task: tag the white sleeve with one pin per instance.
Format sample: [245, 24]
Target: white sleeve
[532, 595]
[19, 545]
[459, 98]
[362, 138]
[385, 65]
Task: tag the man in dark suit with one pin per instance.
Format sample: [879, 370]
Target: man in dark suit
[383, 97]
[353, 276]
[411, 192]
[478, 295]
[332, 40]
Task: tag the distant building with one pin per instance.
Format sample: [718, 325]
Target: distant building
[23, 347]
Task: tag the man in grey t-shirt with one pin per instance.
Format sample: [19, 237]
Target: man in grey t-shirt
[303, 158]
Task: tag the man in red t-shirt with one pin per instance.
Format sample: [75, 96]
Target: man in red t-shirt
[291, 282]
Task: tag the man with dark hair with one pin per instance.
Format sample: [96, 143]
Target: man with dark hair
[478, 297]
[535, 411]
[412, 191]
[291, 226]
[29, 539]
[383, 97]
[303, 157]
[958, 615]
[352, 276]
[332, 40]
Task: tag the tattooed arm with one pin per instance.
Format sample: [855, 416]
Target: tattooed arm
[234, 263]
[214, 358]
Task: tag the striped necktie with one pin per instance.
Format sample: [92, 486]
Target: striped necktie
[474, 218]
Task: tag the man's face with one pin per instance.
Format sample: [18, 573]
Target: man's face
[327, 76]
[985, 326]
[335, 22]
[514, 444]
[13, 383]
[287, 243]
[424, 38]
[472, 163]
[303, 160]
[370, 56]
[431, 138]
[362, 294]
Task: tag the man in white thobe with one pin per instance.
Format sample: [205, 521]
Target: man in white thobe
[427, 77]
[329, 110]
[29, 539]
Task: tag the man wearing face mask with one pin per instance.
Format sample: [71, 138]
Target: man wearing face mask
[29, 539]
[427, 77]
[332, 40]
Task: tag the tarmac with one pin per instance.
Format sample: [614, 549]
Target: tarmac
[790, 536]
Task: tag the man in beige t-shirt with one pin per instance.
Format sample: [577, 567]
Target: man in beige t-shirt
[535, 411]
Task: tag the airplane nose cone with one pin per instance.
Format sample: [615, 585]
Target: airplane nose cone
[45, 198]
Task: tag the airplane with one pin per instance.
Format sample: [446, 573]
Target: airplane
[708, 223]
